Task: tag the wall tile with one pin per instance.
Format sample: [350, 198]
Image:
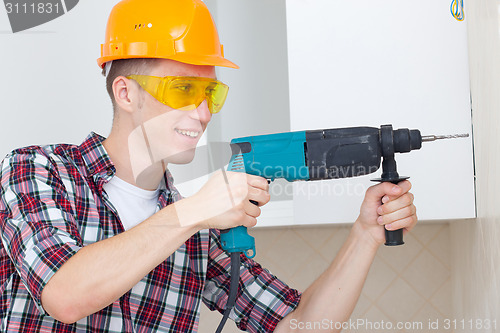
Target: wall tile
[427, 320]
[424, 280]
[330, 248]
[399, 257]
[441, 300]
[400, 301]
[410, 282]
[265, 237]
[316, 237]
[425, 235]
[439, 246]
[289, 252]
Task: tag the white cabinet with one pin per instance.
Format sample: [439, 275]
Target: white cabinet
[335, 63]
[305, 64]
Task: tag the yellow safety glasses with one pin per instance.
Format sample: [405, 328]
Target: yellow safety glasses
[184, 92]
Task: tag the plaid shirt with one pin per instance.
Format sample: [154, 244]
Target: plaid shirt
[52, 204]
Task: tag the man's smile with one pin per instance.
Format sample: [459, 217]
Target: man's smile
[187, 132]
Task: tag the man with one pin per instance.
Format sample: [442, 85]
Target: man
[95, 237]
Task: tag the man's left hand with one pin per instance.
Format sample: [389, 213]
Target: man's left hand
[388, 205]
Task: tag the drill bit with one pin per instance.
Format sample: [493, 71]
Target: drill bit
[441, 137]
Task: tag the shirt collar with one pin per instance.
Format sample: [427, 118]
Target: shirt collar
[98, 162]
[94, 155]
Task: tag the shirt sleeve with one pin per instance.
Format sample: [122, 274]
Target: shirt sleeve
[37, 227]
[263, 300]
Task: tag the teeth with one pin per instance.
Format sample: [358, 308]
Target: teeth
[188, 133]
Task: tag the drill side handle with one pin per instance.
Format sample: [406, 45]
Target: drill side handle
[394, 237]
[389, 168]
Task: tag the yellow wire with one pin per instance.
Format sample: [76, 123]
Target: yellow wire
[458, 15]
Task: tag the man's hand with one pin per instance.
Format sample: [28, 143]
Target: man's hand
[224, 201]
[334, 294]
[387, 205]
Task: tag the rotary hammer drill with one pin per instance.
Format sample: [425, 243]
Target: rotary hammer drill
[321, 154]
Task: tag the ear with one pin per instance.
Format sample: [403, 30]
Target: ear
[126, 93]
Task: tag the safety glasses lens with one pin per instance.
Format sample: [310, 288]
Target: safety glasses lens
[185, 93]
[188, 94]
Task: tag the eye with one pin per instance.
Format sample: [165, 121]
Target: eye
[210, 89]
[184, 87]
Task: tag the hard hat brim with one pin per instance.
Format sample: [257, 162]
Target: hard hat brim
[184, 58]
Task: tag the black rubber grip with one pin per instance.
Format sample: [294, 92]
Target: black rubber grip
[394, 237]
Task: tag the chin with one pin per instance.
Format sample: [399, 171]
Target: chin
[183, 157]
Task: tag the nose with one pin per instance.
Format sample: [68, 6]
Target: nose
[202, 113]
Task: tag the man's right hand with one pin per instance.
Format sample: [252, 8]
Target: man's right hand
[224, 201]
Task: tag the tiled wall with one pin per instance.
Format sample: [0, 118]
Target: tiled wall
[408, 284]
[476, 246]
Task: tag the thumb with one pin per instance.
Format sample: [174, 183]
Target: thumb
[382, 192]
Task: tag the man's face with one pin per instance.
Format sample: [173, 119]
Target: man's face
[168, 134]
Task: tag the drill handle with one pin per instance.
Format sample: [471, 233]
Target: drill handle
[238, 240]
[394, 237]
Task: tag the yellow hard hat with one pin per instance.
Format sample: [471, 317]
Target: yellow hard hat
[181, 30]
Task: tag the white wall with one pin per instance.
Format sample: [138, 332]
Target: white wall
[51, 89]
[254, 37]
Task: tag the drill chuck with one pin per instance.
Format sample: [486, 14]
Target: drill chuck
[406, 140]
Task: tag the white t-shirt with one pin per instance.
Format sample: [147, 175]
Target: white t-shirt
[133, 204]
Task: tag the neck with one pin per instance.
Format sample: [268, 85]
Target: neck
[133, 165]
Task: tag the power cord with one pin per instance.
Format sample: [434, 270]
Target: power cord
[233, 288]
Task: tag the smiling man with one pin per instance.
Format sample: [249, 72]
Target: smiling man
[95, 237]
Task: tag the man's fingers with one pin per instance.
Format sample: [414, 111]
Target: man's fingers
[252, 210]
[403, 201]
[396, 191]
[387, 191]
[413, 222]
[257, 181]
[250, 221]
[397, 215]
[407, 223]
[260, 196]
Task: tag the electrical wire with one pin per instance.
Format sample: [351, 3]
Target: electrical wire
[457, 9]
[233, 288]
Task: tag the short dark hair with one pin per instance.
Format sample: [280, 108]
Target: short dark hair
[125, 67]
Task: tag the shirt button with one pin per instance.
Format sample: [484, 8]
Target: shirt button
[110, 172]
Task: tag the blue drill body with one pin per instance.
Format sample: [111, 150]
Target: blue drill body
[270, 156]
[317, 155]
